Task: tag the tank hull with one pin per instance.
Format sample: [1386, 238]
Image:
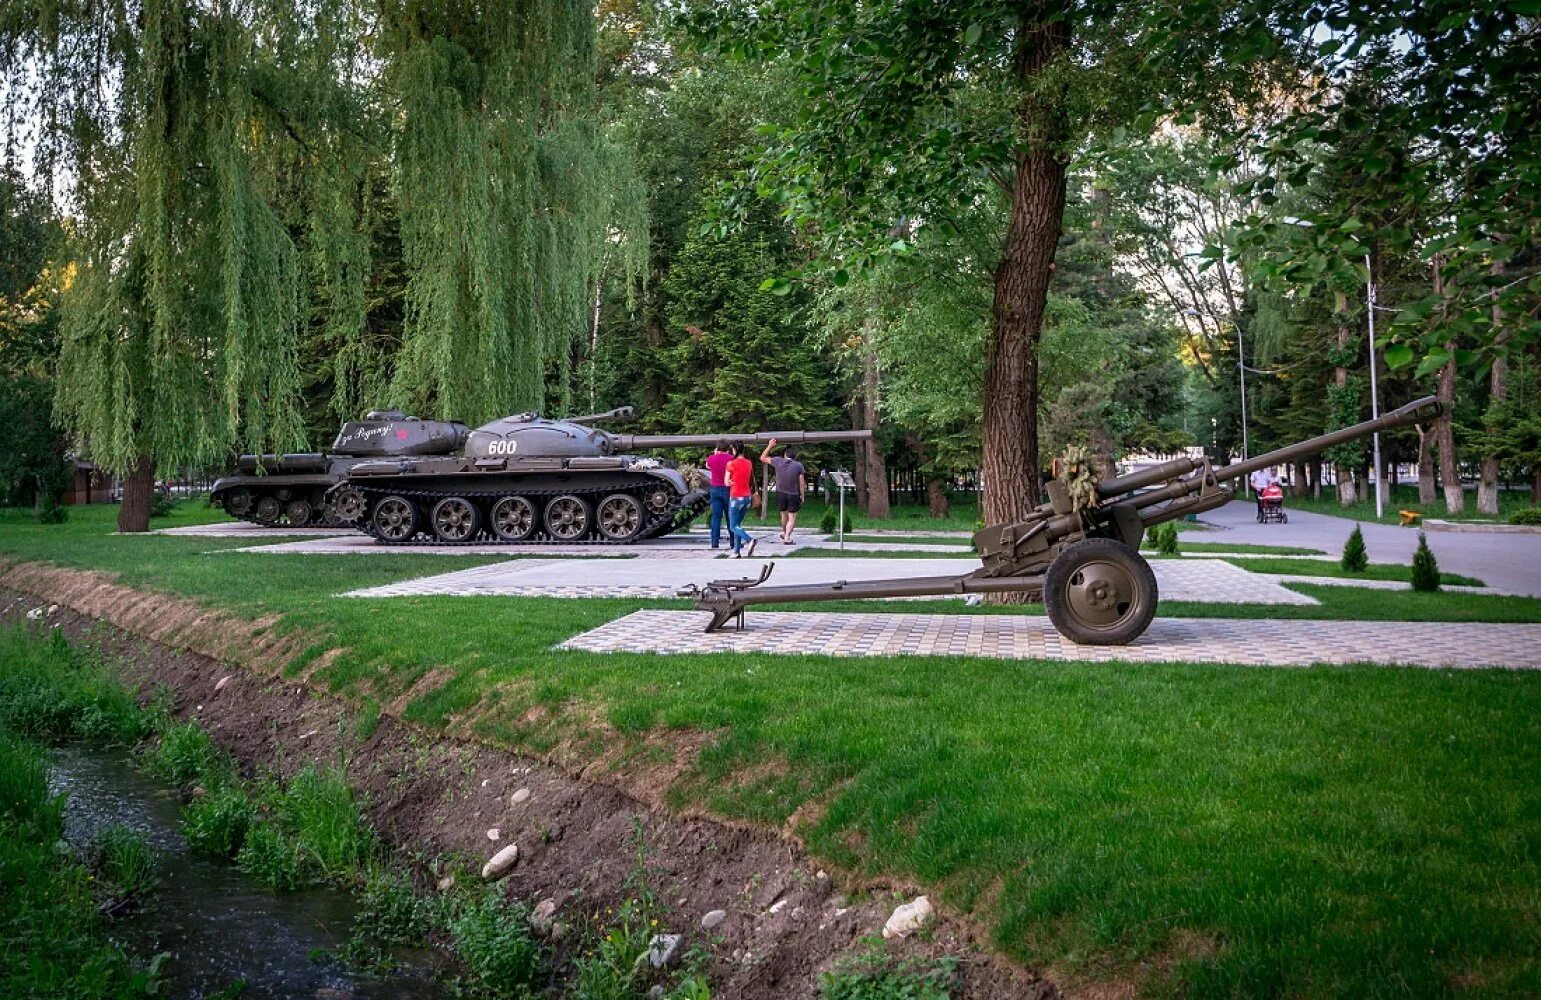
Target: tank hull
[617, 500]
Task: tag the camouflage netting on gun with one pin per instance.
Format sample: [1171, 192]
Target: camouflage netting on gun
[1074, 468]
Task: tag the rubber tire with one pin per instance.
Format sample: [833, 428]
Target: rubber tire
[413, 523]
[1062, 570]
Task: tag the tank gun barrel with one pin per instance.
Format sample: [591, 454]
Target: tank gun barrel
[617, 414]
[628, 442]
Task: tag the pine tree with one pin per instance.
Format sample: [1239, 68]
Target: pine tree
[1355, 558]
[1425, 568]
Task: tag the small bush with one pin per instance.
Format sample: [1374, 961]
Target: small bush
[831, 519]
[51, 512]
[391, 911]
[874, 976]
[494, 940]
[186, 754]
[163, 504]
[1530, 515]
[217, 823]
[1164, 537]
[1355, 557]
[124, 860]
[1425, 568]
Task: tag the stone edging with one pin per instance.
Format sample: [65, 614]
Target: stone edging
[1482, 527]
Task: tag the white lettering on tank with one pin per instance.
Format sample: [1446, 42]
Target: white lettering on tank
[501, 447]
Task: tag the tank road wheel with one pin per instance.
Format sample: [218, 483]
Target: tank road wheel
[348, 506]
[620, 517]
[238, 502]
[513, 519]
[267, 510]
[299, 512]
[394, 520]
[567, 518]
[1100, 592]
[455, 520]
[659, 501]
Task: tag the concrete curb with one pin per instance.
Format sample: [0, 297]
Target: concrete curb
[1482, 527]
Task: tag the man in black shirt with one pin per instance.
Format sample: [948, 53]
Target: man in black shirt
[791, 487]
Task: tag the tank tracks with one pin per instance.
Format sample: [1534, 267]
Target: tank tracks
[321, 515]
[655, 525]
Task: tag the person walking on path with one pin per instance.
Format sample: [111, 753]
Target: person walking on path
[791, 487]
[717, 468]
[1260, 481]
[740, 491]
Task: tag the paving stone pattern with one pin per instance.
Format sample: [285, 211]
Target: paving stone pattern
[1194, 640]
[1177, 580]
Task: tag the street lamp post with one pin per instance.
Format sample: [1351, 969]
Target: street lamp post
[1380, 473]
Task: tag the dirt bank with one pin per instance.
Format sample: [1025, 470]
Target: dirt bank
[429, 796]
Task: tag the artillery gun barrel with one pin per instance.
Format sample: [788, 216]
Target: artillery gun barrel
[619, 413]
[1416, 412]
[628, 442]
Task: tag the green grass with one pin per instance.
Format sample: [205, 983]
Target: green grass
[1213, 831]
[1406, 498]
[1322, 567]
[1255, 550]
[812, 553]
[896, 538]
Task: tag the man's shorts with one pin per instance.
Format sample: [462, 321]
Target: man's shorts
[788, 503]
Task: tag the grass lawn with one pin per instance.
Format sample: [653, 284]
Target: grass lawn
[1406, 498]
[1195, 830]
[1321, 567]
[1256, 550]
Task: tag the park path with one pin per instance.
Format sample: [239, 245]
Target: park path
[1267, 642]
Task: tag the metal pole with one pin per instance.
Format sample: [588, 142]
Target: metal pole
[1380, 473]
[1241, 366]
[842, 517]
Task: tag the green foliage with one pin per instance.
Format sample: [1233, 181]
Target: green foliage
[831, 520]
[492, 937]
[50, 691]
[307, 831]
[391, 911]
[1425, 575]
[270, 857]
[185, 753]
[873, 975]
[164, 504]
[124, 860]
[216, 823]
[1355, 556]
[1530, 515]
[1163, 538]
[24, 795]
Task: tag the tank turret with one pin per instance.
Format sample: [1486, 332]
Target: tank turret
[526, 478]
[294, 489]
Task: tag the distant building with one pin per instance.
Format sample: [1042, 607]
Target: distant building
[90, 485]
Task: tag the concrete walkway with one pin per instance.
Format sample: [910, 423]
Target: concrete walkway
[1270, 642]
[1510, 564]
[1177, 580]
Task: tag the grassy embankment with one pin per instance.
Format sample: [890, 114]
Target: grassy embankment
[1406, 498]
[1207, 830]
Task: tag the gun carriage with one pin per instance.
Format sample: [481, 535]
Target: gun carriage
[1082, 562]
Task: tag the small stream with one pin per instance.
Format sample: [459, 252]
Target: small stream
[219, 926]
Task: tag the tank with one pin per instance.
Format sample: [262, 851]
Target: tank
[527, 478]
[295, 489]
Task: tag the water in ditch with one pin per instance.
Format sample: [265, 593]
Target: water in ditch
[219, 926]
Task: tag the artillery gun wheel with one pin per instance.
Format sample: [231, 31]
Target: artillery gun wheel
[238, 502]
[567, 518]
[455, 520]
[513, 519]
[620, 517]
[267, 510]
[394, 520]
[348, 506]
[299, 512]
[1100, 592]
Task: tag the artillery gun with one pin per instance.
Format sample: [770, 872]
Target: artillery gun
[1083, 563]
[294, 488]
[526, 478]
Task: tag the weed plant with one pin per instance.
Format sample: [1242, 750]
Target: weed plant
[217, 823]
[873, 975]
[51, 691]
[186, 755]
[494, 941]
[124, 862]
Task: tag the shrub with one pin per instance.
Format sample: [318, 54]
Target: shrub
[873, 976]
[1530, 515]
[831, 519]
[1355, 557]
[1164, 536]
[217, 823]
[494, 940]
[1425, 568]
[163, 504]
[391, 911]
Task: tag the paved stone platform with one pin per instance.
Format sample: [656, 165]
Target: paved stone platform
[1192, 640]
[245, 529]
[673, 547]
[1177, 580]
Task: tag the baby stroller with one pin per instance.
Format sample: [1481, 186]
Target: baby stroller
[1270, 505]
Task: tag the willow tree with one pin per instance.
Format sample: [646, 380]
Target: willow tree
[510, 196]
[179, 127]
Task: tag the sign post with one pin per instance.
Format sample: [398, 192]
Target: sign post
[842, 481]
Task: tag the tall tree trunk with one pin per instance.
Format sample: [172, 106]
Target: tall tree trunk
[1011, 468]
[1535, 484]
[1347, 496]
[138, 495]
[1444, 428]
[1299, 483]
[1425, 466]
[937, 501]
[1498, 384]
[869, 454]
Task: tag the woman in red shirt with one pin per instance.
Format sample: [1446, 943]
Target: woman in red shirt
[740, 492]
